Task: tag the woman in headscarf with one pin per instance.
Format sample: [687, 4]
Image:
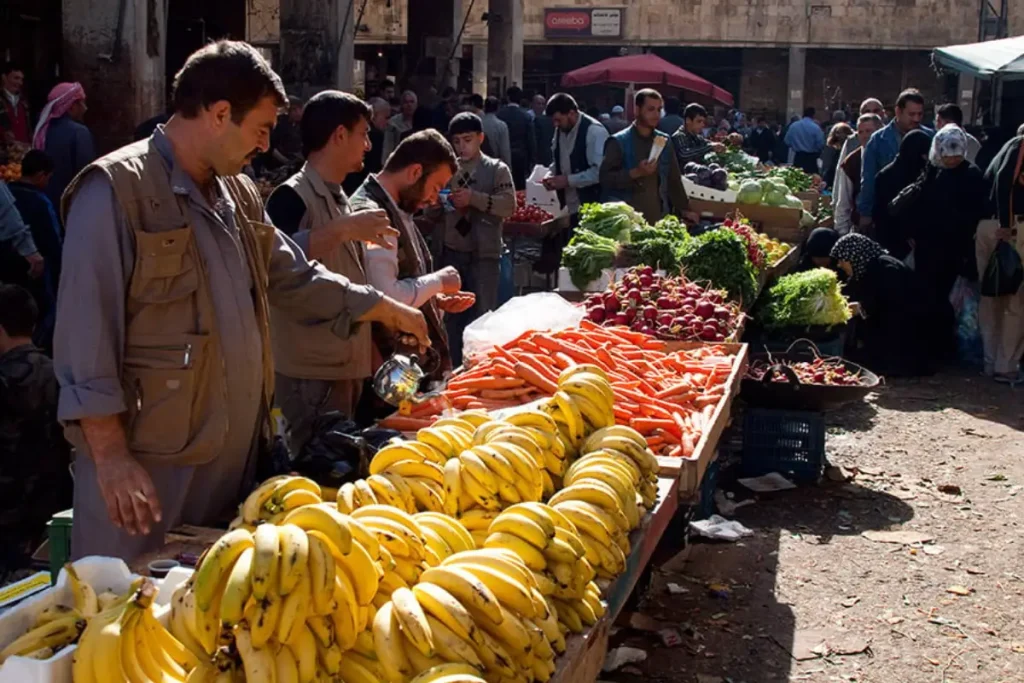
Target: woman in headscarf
[61, 134]
[896, 335]
[818, 249]
[903, 171]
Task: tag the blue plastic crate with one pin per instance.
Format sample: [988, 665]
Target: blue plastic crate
[789, 442]
[706, 502]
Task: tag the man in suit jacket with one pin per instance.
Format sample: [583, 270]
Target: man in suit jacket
[543, 129]
[521, 136]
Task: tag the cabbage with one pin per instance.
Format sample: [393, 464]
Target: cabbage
[791, 202]
[807, 220]
[749, 192]
[774, 197]
[803, 299]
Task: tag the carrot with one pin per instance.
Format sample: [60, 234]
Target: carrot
[505, 393]
[655, 441]
[646, 425]
[488, 383]
[687, 445]
[404, 424]
[563, 361]
[706, 400]
[676, 452]
[531, 376]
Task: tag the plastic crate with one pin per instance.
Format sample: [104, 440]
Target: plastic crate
[58, 531]
[791, 443]
[706, 499]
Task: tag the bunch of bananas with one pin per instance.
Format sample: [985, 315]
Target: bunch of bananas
[582, 404]
[292, 596]
[60, 625]
[126, 642]
[551, 547]
[275, 498]
[480, 609]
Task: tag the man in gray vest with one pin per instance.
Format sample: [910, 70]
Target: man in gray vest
[317, 371]
[162, 346]
[578, 146]
[482, 197]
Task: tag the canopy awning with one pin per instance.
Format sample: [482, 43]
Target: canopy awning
[1003, 59]
[645, 69]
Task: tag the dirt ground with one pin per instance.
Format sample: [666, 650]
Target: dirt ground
[942, 457]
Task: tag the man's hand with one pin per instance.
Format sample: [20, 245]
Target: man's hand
[132, 502]
[370, 225]
[644, 169]
[556, 182]
[397, 317]
[451, 281]
[457, 302]
[35, 265]
[717, 147]
[460, 198]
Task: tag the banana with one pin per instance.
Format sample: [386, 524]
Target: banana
[294, 610]
[54, 634]
[437, 549]
[477, 493]
[524, 527]
[362, 572]
[363, 494]
[599, 494]
[428, 493]
[346, 500]
[414, 622]
[217, 563]
[478, 520]
[346, 626]
[451, 647]
[303, 648]
[267, 542]
[294, 555]
[352, 671]
[572, 415]
[476, 417]
[592, 442]
[416, 659]
[298, 498]
[533, 418]
[106, 600]
[544, 583]
[439, 440]
[593, 411]
[606, 459]
[505, 587]
[322, 571]
[258, 663]
[404, 490]
[398, 521]
[452, 486]
[449, 673]
[238, 589]
[182, 621]
[503, 560]
[507, 491]
[526, 468]
[568, 616]
[582, 368]
[385, 491]
[474, 466]
[466, 588]
[262, 617]
[387, 642]
[458, 422]
[495, 461]
[443, 606]
[495, 657]
[533, 557]
[334, 525]
[511, 632]
[52, 612]
[83, 595]
[418, 469]
[397, 451]
[286, 666]
[253, 506]
[559, 550]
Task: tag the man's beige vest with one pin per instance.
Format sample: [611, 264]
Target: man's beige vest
[310, 350]
[173, 369]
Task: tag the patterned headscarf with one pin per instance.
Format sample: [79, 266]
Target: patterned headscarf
[950, 141]
[860, 250]
[58, 102]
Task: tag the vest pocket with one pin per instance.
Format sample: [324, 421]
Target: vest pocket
[165, 267]
[160, 378]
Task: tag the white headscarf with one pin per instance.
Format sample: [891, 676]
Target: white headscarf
[950, 141]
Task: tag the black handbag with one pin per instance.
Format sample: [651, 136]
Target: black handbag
[1004, 272]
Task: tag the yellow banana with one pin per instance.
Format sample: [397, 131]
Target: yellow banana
[477, 493]
[568, 616]
[294, 557]
[267, 544]
[533, 557]
[238, 589]
[474, 466]
[294, 610]
[466, 588]
[428, 493]
[451, 647]
[385, 492]
[506, 588]
[501, 559]
[495, 461]
[511, 632]
[507, 491]
[387, 641]
[351, 670]
[346, 500]
[254, 503]
[286, 666]
[524, 527]
[571, 413]
[449, 673]
[322, 571]
[452, 486]
[414, 622]
[83, 595]
[477, 519]
[495, 657]
[394, 452]
[298, 498]
[443, 606]
[262, 616]
[328, 521]
[217, 563]
[303, 648]
[363, 494]
[57, 633]
[599, 494]
[404, 490]
[582, 368]
[421, 470]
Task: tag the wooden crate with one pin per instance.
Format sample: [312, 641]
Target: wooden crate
[584, 655]
[690, 470]
[536, 230]
[785, 264]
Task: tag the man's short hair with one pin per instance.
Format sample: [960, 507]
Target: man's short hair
[952, 113]
[870, 100]
[388, 83]
[514, 94]
[327, 110]
[428, 148]
[561, 103]
[18, 311]
[673, 105]
[379, 103]
[36, 161]
[644, 95]
[226, 70]
[465, 122]
[873, 118]
[491, 105]
[10, 67]
[476, 101]
[909, 95]
[809, 112]
[694, 110]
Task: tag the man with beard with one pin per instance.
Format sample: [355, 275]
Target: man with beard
[413, 175]
[316, 371]
[578, 152]
[163, 348]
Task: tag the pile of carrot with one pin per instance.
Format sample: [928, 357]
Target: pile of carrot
[670, 398]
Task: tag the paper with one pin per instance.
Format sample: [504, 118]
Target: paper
[720, 528]
[767, 483]
[656, 148]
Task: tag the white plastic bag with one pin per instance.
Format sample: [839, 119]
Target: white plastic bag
[541, 311]
[537, 194]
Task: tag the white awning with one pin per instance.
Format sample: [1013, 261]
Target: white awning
[994, 58]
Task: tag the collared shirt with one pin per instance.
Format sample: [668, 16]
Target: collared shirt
[806, 136]
[12, 98]
[382, 267]
[690, 147]
[597, 136]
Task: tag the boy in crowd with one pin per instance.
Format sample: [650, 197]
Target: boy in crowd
[34, 478]
[482, 197]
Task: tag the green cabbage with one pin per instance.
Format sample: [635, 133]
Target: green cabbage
[802, 299]
[750, 192]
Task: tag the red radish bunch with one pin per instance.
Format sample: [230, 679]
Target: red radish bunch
[754, 250]
[827, 371]
[528, 213]
[665, 307]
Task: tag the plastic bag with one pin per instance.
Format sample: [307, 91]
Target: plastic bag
[537, 194]
[540, 311]
[1004, 272]
[965, 297]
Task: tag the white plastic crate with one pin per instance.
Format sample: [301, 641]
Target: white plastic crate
[103, 574]
[695, 191]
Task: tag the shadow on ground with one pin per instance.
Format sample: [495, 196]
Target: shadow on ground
[961, 390]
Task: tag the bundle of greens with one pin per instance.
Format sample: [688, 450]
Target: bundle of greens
[796, 179]
[720, 257]
[733, 159]
[803, 299]
[586, 255]
[658, 246]
[614, 220]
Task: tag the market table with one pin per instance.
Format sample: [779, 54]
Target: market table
[184, 544]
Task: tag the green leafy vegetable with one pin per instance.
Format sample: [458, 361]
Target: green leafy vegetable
[801, 299]
[720, 257]
[658, 246]
[614, 220]
[586, 255]
[733, 159]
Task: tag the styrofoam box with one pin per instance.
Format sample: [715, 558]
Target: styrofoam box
[103, 574]
[608, 276]
[695, 191]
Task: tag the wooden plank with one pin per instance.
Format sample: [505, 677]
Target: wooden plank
[584, 655]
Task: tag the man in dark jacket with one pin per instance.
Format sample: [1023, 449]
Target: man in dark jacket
[520, 132]
[543, 129]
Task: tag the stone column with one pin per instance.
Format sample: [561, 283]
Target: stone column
[433, 29]
[795, 82]
[317, 44]
[480, 70]
[505, 44]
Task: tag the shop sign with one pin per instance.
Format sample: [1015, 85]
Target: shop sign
[582, 22]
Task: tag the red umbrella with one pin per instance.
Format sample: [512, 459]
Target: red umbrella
[646, 69]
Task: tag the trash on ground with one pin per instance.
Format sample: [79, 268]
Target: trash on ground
[959, 590]
[767, 483]
[851, 601]
[720, 529]
[621, 656]
[950, 489]
[904, 537]
[676, 589]
[816, 643]
[728, 507]
[671, 637]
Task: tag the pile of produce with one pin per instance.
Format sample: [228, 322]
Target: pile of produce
[774, 250]
[824, 371]
[720, 258]
[755, 253]
[658, 246]
[733, 159]
[804, 299]
[528, 213]
[614, 220]
[586, 255]
[670, 308]
[10, 172]
[767, 191]
[796, 179]
[712, 175]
